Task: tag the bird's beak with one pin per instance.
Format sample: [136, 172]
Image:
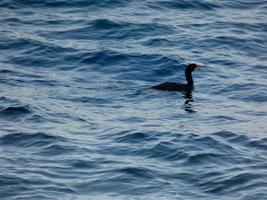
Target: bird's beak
[197, 68]
[200, 66]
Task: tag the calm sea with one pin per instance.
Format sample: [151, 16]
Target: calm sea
[78, 119]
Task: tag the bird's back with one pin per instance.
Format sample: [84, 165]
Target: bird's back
[170, 86]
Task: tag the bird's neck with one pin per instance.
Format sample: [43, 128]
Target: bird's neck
[189, 78]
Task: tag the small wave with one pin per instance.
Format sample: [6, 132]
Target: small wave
[206, 5]
[9, 182]
[89, 100]
[205, 158]
[159, 42]
[136, 172]
[30, 52]
[30, 140]
[16, 4]
[6, 100]
[81, 163]
[105, 24]
[233, 183]
[251, 97]
[19, 73]
[260, 144]
[7, 71]
[134, 137]
[104, 57]
[104, 29]
[15, 110]
[233, 138]
[165, 151]
[153, 65]
[184, 5]
[225, 134]
[242, 4]
[58, 149]
[245, 92]
[33, 188]
[122, 178]
[40, 143]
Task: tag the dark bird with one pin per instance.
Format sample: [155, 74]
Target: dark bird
[172, 86]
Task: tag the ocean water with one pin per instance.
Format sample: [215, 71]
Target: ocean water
[78, 119]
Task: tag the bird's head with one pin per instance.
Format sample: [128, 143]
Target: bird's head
[192, 67]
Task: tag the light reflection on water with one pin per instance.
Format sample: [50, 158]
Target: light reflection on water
[78, 118]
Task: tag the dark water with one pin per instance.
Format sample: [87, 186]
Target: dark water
[78, 119]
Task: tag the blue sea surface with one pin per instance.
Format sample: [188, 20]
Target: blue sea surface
[78, 117]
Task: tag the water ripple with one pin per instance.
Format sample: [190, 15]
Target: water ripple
[78, 119]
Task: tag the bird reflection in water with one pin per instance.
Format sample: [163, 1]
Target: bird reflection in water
[188, 107]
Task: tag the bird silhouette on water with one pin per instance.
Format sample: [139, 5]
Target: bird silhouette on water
[186, 88]
[183, 87]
